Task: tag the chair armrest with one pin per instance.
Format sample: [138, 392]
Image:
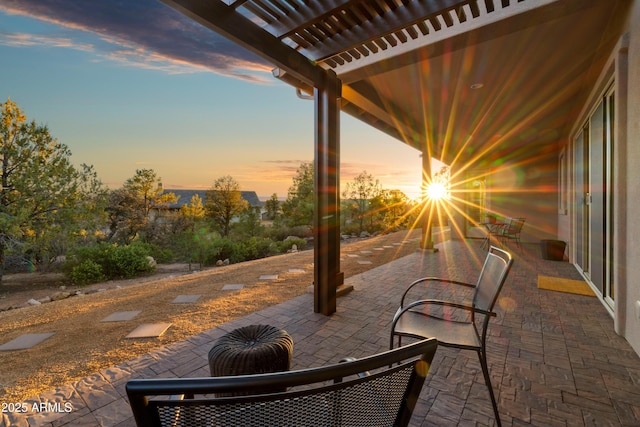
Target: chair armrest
[425, 302]
[432, 279]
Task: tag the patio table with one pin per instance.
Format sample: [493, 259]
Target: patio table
[492, 229]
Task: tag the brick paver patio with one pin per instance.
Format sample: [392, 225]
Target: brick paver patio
[554, 358]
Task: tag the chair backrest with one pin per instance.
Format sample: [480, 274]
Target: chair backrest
[515, 225]
[494, 272]
[333, 395]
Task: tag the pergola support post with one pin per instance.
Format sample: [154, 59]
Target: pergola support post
[426, 240]
[326, 224]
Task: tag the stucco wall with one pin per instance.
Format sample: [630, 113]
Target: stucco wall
[530, 192]
[632, 261]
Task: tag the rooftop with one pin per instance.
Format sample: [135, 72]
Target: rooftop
[554, 357]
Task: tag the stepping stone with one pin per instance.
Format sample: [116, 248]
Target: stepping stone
[364, 262]
[185, 299]
[25, 341]
[296, 270]
[387, 246]
[232, 287]
[121, 316]
[366, 252]
[269, 277]
[353, 255]
[378, 249]
[149, 330]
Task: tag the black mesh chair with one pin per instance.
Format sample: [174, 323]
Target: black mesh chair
[379, 390]
[454, 323]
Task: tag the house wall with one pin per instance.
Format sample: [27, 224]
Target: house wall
[629, 296]
[626, 180]
[529, 190]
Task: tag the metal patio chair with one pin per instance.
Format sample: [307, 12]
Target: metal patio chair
[379, 390]
[457, 324]
[511, 231]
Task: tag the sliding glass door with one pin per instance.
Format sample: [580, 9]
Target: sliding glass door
[593, 149]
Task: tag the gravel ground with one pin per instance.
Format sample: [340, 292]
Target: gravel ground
[83, 345]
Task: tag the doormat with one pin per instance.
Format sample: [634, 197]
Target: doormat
[558, 284]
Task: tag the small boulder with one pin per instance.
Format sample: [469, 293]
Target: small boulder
[33, 302]
[60, 296]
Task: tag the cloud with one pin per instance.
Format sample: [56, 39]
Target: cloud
[30, 40]
[141, 33]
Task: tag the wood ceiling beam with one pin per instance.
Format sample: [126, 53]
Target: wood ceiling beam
[390, 22]
[226, 21]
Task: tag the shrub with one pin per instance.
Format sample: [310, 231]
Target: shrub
[253, 248]
[288, 243]
[86, 272]
[221, 248]
[124, 262]
[115, 262]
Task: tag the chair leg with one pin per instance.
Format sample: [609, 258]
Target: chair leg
[482, 355]
[391, 341]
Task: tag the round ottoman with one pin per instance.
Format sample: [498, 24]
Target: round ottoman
[253, 349]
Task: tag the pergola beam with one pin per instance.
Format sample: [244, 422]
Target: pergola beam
[229, 23]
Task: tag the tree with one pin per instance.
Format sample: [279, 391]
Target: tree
[394, 209]
[193, 211]
[250, 224]
[360, 192]
[136, 206]
[42, 194]
[223, 202]
[272, 206]
[299, 206]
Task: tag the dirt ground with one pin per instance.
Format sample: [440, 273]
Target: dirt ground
[83, 345]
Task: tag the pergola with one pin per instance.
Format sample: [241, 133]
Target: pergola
[472, 83]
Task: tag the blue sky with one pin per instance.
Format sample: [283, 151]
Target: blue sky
[133, 85]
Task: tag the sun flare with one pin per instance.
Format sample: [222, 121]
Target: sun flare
[436, 191]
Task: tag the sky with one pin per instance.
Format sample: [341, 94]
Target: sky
[130, 85]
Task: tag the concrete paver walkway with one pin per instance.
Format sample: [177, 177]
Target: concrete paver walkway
[554, 357]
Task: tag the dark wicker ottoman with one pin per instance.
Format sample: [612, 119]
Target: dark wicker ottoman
[253, 349]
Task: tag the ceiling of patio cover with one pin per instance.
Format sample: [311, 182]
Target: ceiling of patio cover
[472, 80]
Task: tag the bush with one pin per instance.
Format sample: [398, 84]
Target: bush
[253, 248]
[280, 231]
[288, 243]
[114, 261]
[162, 256]
[86, 272]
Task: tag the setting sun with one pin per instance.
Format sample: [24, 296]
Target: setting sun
[437, 191]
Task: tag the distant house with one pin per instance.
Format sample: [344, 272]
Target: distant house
[184, 197]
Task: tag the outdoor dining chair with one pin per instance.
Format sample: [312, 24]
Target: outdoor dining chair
[512, 230]
[456, 324]
[378, 390]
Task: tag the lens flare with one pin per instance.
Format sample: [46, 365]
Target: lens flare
[437, 191]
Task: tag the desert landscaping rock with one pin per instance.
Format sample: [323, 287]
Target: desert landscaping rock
[60, 296]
